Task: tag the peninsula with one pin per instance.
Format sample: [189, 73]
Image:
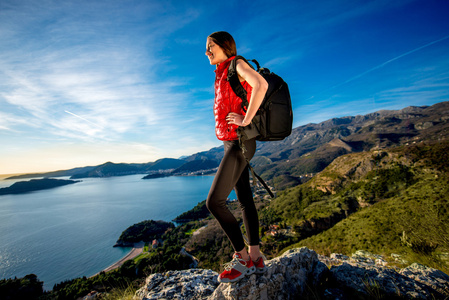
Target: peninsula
[35, 185]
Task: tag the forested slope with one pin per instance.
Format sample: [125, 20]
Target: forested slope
[383, 201]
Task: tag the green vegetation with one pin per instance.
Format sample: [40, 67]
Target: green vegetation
[291, 205]
[28, 287]
[412, 227]
[383, 183]
[200, 211]
[211, 247]
[144, 231]
[385, 202]
[402, 209]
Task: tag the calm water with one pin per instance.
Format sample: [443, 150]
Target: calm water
[68, 232]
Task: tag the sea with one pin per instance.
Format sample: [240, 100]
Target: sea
[69, 232]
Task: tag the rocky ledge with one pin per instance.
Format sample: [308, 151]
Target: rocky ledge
[301, 272]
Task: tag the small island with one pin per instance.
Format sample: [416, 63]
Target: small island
[35, 185]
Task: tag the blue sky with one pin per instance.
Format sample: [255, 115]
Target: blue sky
[86, 82]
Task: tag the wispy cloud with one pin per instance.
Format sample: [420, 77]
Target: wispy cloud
[390, 61]
[84, 119]
[71, 66]
[90, 72]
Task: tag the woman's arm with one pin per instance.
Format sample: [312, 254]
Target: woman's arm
[259, 85]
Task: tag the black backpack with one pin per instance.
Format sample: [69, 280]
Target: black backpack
[274, 119]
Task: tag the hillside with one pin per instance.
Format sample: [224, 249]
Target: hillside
[111, 169]
[145, 231]
[390, 201]
[199, 165]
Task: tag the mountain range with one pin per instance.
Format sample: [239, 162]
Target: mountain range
[308, 150]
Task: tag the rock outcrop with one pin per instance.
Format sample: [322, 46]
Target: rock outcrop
[301, 272]
[286, 278]
[362, 274]
[181, 285]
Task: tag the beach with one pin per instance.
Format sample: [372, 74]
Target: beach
[135, 251]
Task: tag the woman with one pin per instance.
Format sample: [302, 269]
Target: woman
[233, 171]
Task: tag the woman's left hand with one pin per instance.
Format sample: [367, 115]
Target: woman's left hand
[236, 119]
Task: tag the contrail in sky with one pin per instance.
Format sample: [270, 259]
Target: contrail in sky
[75, 115]
[391, 60]
[386, 63]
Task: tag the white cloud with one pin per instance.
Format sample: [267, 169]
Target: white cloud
[101, 61]
[105, 77]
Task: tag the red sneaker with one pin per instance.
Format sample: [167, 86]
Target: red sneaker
[260, 265]
[236, 269]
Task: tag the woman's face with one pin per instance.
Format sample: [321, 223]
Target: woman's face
[215, 54]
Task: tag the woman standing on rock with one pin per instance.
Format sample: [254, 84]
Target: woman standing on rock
[233, 172]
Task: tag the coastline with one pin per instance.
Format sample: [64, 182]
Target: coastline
[135, 251]
[144, 209]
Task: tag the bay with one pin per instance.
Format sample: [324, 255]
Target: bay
[68, 232]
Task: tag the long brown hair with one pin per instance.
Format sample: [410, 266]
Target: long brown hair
[225, 41]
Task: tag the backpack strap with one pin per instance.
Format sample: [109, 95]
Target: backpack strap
[234, 81]
[260, 180]
[242, 139]
[240, 91]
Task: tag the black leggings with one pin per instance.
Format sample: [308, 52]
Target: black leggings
[233, 173]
